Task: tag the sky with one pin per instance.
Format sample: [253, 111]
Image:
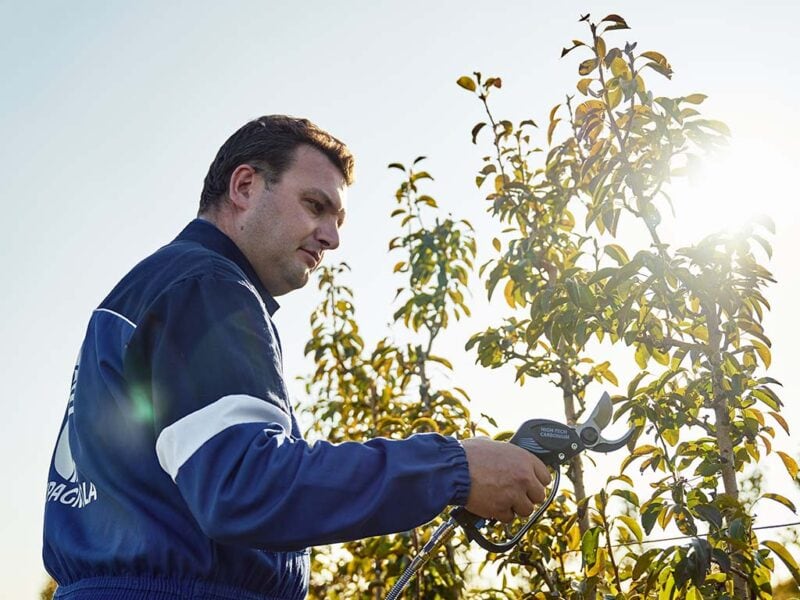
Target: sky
[111, 112]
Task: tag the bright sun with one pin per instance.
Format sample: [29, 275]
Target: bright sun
[730, 189]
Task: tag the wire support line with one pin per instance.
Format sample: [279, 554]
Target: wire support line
[655, 541]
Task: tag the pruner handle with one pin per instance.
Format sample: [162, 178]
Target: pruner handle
[472, 524]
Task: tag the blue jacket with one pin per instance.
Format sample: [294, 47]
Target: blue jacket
[180, 471]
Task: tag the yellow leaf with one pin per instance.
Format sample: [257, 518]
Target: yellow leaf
[645, 449]
[499, 184]
[614, 97]
[467, 83]
[695, 98]
[694, 594]
[655, 56]
[790, 464]
[583, 85]
[755, 414]
[509, 293]
[610, 377]
[496, 244]
[763, 352]
[619, 68]
[786, 557]
[641, 355]
[781, 421]
[700, 332]
[599, 564]
[670, 436]
[601, 48]
[551, 129]
[782, 500]
[633, 525]
[661, 357]
[587, 66]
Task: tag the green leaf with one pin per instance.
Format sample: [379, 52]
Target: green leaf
[650, 516]
[786, 557]
[467, 83]
[643, 563]
[589, 544]
[617, 252]
[709, 513]
[628, 495]
[396, 166]
[633, 525]
[768, 397]
[633, 385]
[737, 530]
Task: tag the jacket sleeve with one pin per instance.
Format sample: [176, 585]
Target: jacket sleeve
[223, 433]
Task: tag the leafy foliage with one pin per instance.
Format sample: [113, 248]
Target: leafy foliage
[692, 318]
[689, 318]
[392, 390]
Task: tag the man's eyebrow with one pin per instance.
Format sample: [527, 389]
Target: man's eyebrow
[323, 197]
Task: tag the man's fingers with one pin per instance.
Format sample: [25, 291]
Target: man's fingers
[505, 479]
[536, 493]
[506, 516]
[542, 472]
[523, 508]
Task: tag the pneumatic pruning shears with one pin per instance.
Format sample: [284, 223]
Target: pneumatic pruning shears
[554, 444]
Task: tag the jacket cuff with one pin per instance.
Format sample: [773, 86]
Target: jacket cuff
[456, 457]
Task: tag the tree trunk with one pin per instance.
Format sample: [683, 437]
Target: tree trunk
[575, 470]
[723, 423]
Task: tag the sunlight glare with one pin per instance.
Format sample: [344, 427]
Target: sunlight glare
[730, 189]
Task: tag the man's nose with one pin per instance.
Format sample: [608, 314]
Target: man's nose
[328, 235]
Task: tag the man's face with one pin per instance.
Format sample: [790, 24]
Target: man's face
[290, 224]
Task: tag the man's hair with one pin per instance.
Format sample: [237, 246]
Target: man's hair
[269, 143]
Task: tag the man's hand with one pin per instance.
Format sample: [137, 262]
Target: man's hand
[505, 479]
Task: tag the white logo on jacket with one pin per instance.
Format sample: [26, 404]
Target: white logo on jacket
[73, 493]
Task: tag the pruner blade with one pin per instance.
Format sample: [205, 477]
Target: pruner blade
[605, 445]
[590, 431]
[602, 413]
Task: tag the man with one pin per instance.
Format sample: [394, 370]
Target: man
[180, 471]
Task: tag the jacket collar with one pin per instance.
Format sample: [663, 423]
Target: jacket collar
[207, 235]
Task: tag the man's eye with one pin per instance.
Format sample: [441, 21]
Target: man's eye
[316, 207]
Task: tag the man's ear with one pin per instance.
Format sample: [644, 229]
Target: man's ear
[242, 187]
